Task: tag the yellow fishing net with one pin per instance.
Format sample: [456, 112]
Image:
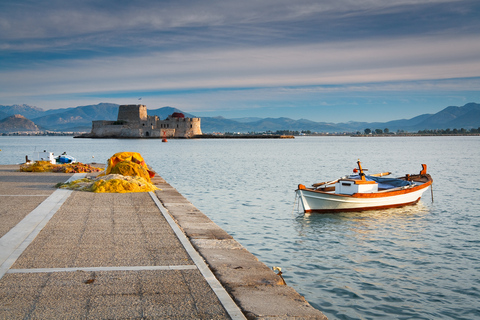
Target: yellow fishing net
[126, 172]
[46, 166]
[122, 184]
[131, 170]
[111, 183]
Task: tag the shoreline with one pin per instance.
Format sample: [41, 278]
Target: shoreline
[239, 136]
[203, 136]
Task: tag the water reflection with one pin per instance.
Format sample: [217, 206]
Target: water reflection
[363, 222]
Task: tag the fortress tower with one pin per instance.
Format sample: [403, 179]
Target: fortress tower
[132, 113]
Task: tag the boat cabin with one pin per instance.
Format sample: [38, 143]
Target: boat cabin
[43, 156]
[351, 186]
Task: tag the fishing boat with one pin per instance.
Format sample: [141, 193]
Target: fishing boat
[65, 158]
[358, 192]
[41, 156]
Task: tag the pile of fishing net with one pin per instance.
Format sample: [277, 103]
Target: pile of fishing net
[128, 164]
[111, 183]
[46, 166]
[126, 172]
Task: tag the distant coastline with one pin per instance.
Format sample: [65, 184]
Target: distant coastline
[40, 133]
[415, 135]
[250, 136]
[244, 136]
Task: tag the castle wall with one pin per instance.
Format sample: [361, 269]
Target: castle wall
[105, 128]
[184, 127]
[169, 133]
[98, 124]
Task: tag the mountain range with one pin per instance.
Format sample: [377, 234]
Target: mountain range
[79, 119]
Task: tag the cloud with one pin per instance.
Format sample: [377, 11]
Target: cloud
[316, 64]
[64, 30]
[54, 19]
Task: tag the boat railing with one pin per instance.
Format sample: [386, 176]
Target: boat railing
[397, 188]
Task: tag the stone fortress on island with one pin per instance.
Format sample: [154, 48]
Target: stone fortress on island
[133, 122]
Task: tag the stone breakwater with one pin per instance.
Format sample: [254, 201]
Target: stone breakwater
[137, 255]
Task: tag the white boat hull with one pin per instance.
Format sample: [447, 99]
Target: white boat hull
[314, 201]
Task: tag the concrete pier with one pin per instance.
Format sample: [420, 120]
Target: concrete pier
[79, 255]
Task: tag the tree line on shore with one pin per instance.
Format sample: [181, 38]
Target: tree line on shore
[447, 131]
[461, 131]
[368, 131]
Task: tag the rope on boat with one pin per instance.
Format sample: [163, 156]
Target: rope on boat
[294, 203]
[431, 190]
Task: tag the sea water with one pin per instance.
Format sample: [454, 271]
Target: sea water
[416, 262]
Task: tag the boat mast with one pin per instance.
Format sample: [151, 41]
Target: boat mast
[362, 175]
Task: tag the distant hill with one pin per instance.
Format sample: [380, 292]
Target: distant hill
[3, 115]
[27, 111]
[17, 123]
[469, 120]
[80, 119]
[246, 119]
[466, 117]
[220, 124]
[77, 118]
[164, 112]
[274, 124]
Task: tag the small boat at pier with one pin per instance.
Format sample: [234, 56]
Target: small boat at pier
[65, 158]
[359, 192]
[42, 156]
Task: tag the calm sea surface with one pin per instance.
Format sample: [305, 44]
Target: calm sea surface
[418, 262]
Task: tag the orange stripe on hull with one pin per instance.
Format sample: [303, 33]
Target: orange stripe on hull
[362, 208]
[391, 193]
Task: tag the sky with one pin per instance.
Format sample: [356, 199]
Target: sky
[325, 60]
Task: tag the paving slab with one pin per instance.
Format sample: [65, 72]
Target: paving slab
[175, 294]
[21, 192]
[14, 208]
[105, 229]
